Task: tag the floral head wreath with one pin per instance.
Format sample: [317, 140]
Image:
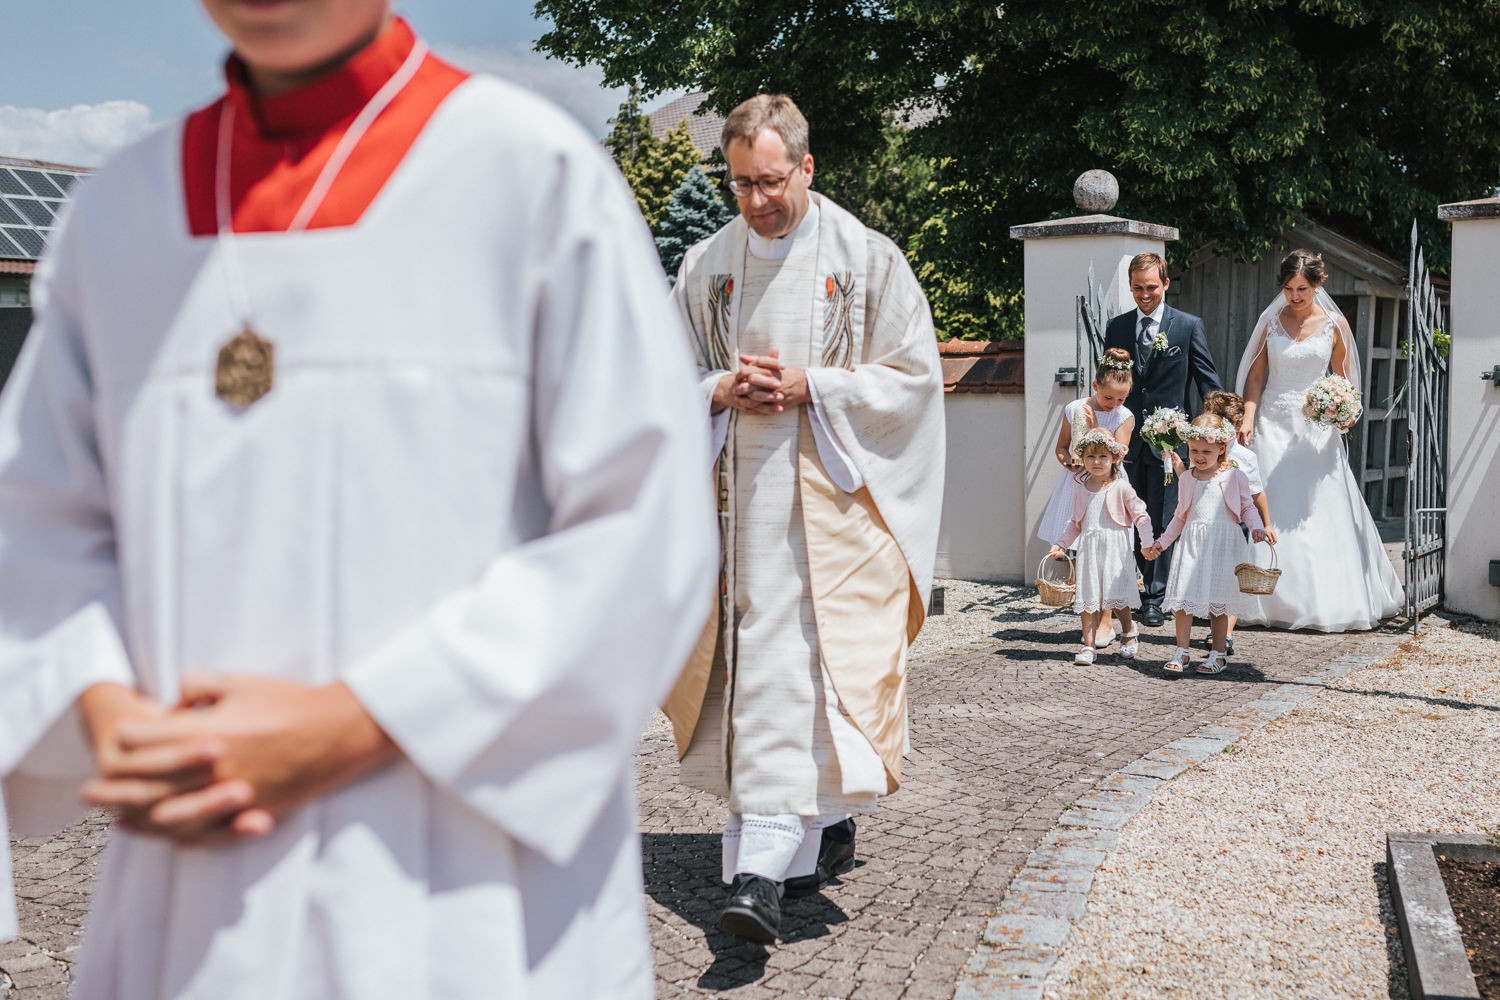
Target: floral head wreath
[1119, 364]
[1100, 437]
[1216, 435]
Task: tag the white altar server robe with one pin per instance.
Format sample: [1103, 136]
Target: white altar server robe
[475, 493]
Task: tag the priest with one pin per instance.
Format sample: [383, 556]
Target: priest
[819, 375]
[352, 520]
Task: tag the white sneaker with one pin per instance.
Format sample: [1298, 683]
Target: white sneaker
[1084, 657]
[1130, 644]
[1179, 661]
[1103, 641]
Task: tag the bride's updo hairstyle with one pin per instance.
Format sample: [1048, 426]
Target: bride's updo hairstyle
[1302, 263]
[1115, 368]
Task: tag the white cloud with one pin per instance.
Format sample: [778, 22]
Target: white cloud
[579, 90]
[82, 135]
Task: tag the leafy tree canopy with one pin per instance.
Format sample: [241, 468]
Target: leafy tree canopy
[1229, 119]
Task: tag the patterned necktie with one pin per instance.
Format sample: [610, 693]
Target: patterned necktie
[1145, 337]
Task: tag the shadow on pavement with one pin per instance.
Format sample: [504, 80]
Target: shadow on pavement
[682, 874]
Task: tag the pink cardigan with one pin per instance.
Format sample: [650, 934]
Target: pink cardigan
[1121, 505]
[1236, 499]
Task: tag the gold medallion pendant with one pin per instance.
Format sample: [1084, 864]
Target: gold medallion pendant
[247, 365]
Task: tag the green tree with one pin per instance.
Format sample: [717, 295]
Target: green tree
[1229, 119]
[694, 211]
[630, 130]
[660, 170]
[653, 167]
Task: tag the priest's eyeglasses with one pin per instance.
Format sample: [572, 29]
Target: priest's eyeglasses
[741, 187]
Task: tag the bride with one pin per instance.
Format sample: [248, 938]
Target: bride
[1335, 573]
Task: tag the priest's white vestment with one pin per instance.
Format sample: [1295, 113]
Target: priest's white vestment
[474, 492]
[795, 700]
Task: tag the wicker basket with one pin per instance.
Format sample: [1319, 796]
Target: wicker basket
[1055, 593]
[1258, 579]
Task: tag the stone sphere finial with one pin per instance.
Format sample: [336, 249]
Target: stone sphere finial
[1096, 191]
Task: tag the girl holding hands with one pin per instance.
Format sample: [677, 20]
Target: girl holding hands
[1212, 502]
[1104, 410]
[1104, 510]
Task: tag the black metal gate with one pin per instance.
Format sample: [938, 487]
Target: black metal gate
[1426, 399]
[1088, 345]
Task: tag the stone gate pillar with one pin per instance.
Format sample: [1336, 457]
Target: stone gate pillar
[1057, 258]
[1473, 531]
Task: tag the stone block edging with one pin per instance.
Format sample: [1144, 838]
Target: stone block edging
[1436, 964]
[1030, 929]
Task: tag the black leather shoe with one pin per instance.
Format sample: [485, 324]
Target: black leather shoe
[835, 857]
[1152, 616]
[753, 911]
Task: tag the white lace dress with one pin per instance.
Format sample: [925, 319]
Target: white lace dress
[1202, 581]
[1335, 575]
[1105, 565]
[1059, 510]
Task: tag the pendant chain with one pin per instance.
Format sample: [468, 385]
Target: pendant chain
[234, 275]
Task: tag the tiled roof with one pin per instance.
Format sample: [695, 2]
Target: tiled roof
[703, 128]
[17, 267]
[973, 366]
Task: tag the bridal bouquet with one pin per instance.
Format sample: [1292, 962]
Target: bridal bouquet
[1163, 430]
[1332, 401]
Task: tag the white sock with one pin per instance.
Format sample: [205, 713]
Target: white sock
[805, 862]
[762, 845]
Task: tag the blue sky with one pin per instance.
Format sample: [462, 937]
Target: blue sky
[80, 78]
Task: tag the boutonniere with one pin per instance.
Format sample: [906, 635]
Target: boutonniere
[1158, 342]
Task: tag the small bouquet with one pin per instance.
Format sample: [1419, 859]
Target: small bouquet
[1332, 401]
[1164, 429]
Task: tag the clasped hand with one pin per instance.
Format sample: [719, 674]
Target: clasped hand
[233, 755]
[762, 384]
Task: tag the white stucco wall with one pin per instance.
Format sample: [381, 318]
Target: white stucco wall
[1057, 269]
[982, 536]
[1473, 536]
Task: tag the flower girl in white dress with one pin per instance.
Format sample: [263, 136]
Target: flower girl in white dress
[1104, 410]
[1212, 501]
[1105, 509]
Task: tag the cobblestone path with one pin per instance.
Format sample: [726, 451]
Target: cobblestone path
[1005, 734]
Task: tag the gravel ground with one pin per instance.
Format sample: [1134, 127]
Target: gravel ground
[1262, 872]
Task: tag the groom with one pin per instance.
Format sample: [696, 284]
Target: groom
[1168, 346]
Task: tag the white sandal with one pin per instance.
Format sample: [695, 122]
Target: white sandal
[1215, 663]
[1102, 642]
[1084, 657]
[1130, 644]
[1179, 661]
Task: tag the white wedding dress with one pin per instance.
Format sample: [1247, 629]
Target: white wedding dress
[1335, 574]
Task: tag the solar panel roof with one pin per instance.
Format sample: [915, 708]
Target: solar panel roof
[30, 199]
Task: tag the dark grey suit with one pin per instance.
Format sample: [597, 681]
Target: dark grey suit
[1161, 379]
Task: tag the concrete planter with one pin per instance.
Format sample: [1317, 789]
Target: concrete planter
[1436, 965]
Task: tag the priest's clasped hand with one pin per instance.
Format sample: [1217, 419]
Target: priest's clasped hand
[762, 384]
[232, 756]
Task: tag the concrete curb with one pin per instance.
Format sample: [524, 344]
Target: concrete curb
[1437, 968]
[1024, 939]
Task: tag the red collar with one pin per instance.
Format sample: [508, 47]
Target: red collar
[318, 106]
[281, 143]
